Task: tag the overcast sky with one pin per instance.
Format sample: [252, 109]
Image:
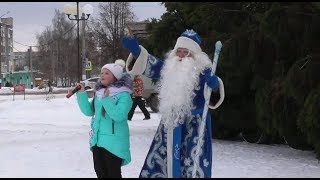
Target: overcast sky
[30, 18]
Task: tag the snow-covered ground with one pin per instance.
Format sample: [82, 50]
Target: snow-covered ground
[40, 138]
[35, 90]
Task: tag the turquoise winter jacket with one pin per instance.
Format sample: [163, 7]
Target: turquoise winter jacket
[110, 131]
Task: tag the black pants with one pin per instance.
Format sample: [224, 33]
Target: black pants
[106, 164]
[137, 101]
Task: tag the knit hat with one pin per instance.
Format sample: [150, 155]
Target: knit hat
[116, 69]
[189, 40]
[120, 62]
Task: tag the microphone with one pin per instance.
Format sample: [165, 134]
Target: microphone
[76, 89]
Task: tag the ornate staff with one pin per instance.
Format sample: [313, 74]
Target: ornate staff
[207, 93]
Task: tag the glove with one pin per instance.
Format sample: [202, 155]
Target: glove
[131, 43]
[211, 80]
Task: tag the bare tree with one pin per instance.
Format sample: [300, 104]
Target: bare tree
[58, 43]
[44, 52]
[63, 46]
[58, 50]
[110, 27]
[93, 52]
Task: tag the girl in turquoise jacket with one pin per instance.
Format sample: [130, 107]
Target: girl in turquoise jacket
[109, 141]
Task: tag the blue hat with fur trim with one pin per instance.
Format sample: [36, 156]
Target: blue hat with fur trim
[189, 40]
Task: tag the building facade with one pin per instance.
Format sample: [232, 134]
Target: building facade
[20, 61]
[6, 44]
[139, 28]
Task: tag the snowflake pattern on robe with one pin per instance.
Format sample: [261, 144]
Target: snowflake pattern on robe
[155, 165]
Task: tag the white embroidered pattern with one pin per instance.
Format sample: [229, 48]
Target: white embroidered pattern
[155, 158]
[191, 32]
[194, 157]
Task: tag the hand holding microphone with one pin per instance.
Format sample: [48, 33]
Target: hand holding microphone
[76, 89]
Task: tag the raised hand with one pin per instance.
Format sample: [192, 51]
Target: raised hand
[131, 43]
[81, 85]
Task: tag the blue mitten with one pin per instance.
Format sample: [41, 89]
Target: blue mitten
[212, 81]
[131, 43]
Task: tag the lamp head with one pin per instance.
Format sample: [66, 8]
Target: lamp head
[87, 9]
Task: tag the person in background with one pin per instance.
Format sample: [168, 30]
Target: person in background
[137, 98]
[109, 141]
[138, 89]
[50, 86]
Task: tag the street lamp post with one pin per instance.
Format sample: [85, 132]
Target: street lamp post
[86, 11]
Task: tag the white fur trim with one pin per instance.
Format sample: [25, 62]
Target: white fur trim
[141, 63]
[221, 91]
[184, 42]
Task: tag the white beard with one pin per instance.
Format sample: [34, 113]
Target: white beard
[179, 79]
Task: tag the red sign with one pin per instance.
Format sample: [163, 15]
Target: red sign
[19, 88]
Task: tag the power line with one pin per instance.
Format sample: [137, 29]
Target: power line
[50, 42]
[20, 43]
[57, 39]
[16, 49]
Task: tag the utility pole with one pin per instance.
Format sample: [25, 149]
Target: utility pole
[79, 63]
[31, 68]
[1, 53]
[84, 59]
[6, 32]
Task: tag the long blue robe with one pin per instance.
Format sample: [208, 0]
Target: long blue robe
[185, 138]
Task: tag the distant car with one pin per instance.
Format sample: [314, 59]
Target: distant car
[90, 83]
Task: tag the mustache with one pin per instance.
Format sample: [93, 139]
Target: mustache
[177, 58]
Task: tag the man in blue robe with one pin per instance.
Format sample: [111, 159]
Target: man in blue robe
[176, 150]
